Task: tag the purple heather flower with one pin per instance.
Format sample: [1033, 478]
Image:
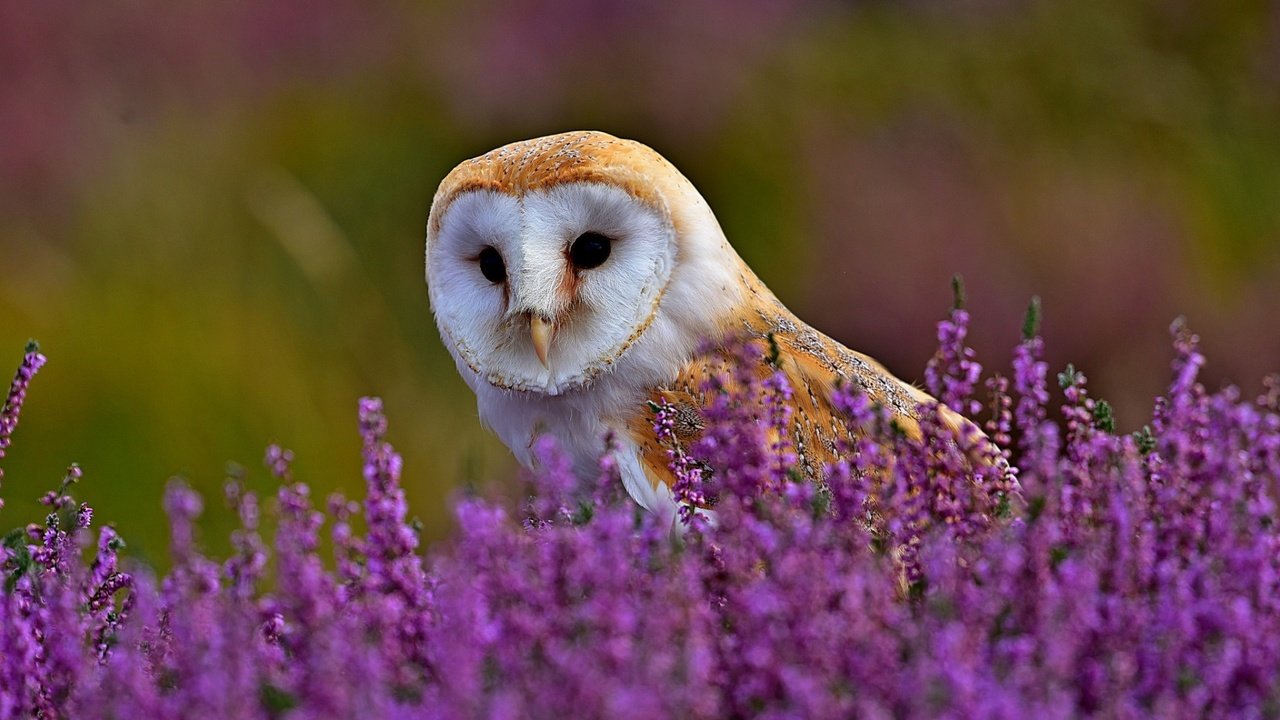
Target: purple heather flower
[12, 408]
[952, 373]
[1140, 577]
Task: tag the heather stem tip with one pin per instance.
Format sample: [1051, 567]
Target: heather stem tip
[1031, 323]
[32, 361]
[958, 297]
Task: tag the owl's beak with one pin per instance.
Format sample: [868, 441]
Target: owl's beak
[542, 332]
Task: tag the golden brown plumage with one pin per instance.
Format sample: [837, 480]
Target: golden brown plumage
[814, 366]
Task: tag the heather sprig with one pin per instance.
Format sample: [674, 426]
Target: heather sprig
[32, 361]
[689, 488]
[952, 373]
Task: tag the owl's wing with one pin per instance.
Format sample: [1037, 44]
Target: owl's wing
[815, 366]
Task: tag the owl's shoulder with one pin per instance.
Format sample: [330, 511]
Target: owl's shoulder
[814, 366]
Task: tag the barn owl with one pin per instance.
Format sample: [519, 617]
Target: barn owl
[576, 278]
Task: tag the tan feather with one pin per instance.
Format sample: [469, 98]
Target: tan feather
[814, 365]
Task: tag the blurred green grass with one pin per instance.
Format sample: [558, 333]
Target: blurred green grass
[219, 242]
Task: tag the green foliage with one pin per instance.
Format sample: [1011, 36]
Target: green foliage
[276, 701]
[774, 351]
[1068, 377]
[1145, 440]
[1103, 416]
[1031, 321]
[957, 292]
[20, 562]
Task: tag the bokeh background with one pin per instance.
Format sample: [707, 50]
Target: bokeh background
[211, 214]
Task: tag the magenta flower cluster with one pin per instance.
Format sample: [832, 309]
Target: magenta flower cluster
[1071, 571]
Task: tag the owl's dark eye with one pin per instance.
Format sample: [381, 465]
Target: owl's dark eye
[491, 265]
[590, 250]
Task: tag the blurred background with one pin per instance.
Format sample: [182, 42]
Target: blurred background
[212, 214]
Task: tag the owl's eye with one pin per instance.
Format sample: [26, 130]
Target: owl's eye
[589, 250]
[491, 265]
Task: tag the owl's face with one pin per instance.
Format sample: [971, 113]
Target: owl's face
[558, 262]
[543, 290]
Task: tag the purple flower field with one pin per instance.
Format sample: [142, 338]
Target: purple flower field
[1117, 575]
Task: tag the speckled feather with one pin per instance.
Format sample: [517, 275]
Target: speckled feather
[814, 365]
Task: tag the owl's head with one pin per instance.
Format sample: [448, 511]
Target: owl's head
[550, 262]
